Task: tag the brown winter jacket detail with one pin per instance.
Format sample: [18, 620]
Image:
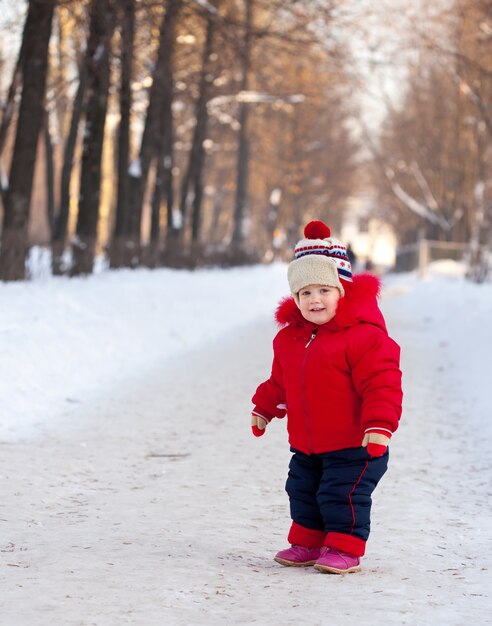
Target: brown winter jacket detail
[335, 380]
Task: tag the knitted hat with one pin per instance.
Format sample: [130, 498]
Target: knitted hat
[319, 259]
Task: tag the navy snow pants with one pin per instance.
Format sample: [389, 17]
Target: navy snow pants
[331, 492]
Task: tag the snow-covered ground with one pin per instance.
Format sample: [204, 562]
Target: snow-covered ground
[131, 489]
[66, 341]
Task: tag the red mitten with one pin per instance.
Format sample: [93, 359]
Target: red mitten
[258, 425]
[376, 449]
[258, 432]
[376, 443]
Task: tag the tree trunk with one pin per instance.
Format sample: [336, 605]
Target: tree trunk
[152, 257]
[167, 167]
[8, 112]
[36, 38]
[50, 173]
[152, 138]
[173, 248]
[194, 175]
[61, 219]
[164, 176]
[9, 106]
[98, 54]
[243, 141]
[120, 250]
[163, 191]
[156, 204]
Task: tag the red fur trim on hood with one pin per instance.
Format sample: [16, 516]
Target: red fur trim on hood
[358, 305]
[287, 312]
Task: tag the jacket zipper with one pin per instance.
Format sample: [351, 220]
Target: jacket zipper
[306, 413]
[311, 338]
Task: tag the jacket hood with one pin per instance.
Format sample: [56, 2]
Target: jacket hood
[358, 305]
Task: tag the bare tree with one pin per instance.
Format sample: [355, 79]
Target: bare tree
[435, 171]
[60, 226]
[36, 38]
[219, 124]
[9, 108]
[151, 145]
[192, 183]
[121, 230]
[243, 139]
[102, 22]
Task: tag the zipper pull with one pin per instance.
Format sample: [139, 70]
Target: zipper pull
[311, 338]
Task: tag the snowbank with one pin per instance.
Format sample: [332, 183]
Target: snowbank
[63, 340]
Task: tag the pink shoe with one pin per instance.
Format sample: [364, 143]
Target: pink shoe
[334, 561]
[298, 556]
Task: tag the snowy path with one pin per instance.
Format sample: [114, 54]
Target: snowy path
[156, 506]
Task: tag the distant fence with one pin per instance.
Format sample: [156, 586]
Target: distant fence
[417, 256]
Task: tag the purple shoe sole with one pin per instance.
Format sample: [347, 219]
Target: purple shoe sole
[293, 563]
[327, 569]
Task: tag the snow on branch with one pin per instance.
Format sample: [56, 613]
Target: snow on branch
[414, 205]
[475, 97]
[472, 92]
[424, 186]
[427, 211]
[255, 97]
[207, 6]
[135, 168]
[4, 181]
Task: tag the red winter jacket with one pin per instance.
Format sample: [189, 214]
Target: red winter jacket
[336, 380]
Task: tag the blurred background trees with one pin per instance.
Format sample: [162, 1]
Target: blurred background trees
[433, 158]
[186, 132]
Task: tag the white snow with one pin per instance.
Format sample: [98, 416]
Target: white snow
[256, 97]
[135, 168]
[64, 340]
[132, 491]
[206, 5]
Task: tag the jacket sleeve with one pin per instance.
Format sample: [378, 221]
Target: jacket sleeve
[375, 361]
[269, 398]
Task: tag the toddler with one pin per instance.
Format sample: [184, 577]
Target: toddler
[336, 375]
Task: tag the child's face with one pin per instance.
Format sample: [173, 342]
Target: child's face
[318, 303]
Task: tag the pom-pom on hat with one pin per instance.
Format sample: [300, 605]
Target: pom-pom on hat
[319, 259]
